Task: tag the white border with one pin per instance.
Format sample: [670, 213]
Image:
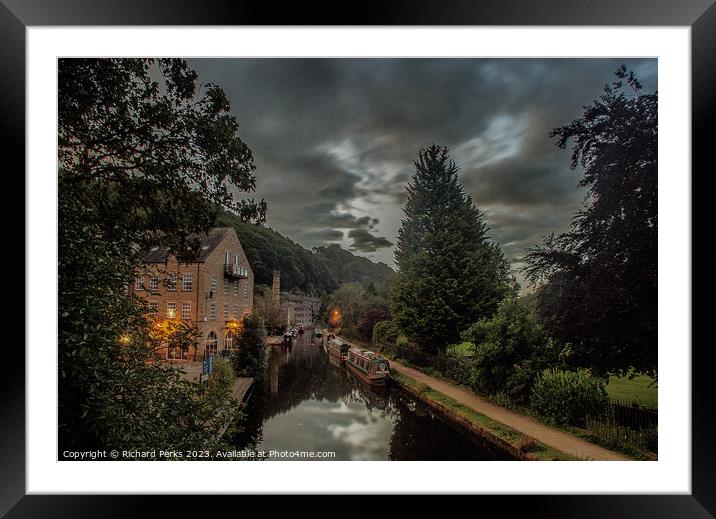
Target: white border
[672, 473]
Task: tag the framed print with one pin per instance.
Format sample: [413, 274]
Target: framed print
[378, 255]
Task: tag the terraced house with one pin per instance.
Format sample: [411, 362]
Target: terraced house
[214, 292]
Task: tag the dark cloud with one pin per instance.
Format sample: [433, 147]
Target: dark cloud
[364, 241]
[326, 235]
[334, 139]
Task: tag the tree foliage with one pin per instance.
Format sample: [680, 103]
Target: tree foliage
[268, 309]
[144, 157]
[597, 283]
[250, 357]
[510, 349]
[319, 271]
[450, 273]
[569, 397]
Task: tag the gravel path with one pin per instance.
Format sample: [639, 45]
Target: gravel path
[555, 438]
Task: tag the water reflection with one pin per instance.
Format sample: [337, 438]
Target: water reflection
[308, 404]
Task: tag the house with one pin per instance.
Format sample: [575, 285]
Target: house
[213, 292]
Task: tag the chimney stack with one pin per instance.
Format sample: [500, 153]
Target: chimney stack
[276, 288]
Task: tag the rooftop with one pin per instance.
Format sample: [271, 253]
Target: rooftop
[208, 242]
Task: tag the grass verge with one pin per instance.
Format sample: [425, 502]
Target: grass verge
[517, 442]
[640, 389]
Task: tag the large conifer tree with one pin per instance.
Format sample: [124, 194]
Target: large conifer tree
[450, 274]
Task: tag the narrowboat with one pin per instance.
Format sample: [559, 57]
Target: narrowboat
[338, 350]
[368, 366]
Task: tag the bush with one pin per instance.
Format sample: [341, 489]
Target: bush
[569, 397]
[251, 356]
[369, 319]
[510, 349]
[402, 341]
[457, 369]
[221, 380]
[385, 331]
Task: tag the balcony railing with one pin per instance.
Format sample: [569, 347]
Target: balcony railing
[235, 271]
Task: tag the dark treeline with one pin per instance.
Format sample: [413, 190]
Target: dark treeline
[319, 271]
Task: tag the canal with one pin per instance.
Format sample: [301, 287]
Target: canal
[308, 404]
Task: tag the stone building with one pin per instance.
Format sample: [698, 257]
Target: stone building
[299, 309]
[214, 292]
[296, 309]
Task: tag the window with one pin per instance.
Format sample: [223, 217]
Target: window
[236, 288]
[154, 284]
[227, 258]
[172, 282]
[171, 309]
[246, 289]
[226, 287]
[212, 311]
[226, 312]
[245, 308]
[139, 283]
[235, 310]
[186, 283]
[186, 310]
[213, 284]
[229, 341]
[153, 309]
[211, 342]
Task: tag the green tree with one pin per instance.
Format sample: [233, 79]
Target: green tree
[250, 358]
[144, 158]
[449, 274]
[268, 309]
[597, 283]
[349, 299]
[510, 349]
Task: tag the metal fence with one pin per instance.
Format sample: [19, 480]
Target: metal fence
[627, 423]
[634, 416]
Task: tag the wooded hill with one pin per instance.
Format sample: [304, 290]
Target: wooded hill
[319, 271]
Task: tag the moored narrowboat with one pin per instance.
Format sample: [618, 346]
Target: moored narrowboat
[368, 366]
[338, 350]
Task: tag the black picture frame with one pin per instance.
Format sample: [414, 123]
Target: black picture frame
[16, 15]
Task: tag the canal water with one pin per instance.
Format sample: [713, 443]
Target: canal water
[308, 404]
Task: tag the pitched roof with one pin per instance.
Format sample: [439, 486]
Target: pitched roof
[208, 242]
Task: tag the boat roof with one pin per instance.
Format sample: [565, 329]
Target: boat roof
[366, 353]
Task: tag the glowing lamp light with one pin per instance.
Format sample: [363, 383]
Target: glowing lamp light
[234, 326]
[125, 339]
[335, 318]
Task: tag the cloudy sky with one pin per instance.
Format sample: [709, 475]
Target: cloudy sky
[334, 139]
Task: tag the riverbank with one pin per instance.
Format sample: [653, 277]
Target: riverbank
[516, 444]
[532, 438]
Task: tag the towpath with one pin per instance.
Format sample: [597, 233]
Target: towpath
[555, 438]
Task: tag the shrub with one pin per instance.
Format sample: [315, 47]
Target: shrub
[251, 356]
[510, 349]
[385, 331]
[369, 319]
[569, 397]
[402, 341]
[221, 380]
[458, 369]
